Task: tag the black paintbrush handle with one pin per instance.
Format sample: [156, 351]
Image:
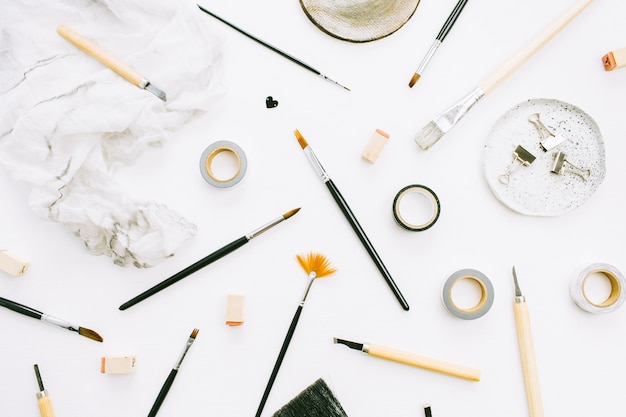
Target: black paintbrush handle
[187, 271]
[163, 393]
[451, 19]
[279, 360]
[267, 45]
[22, 309]
[343, 205]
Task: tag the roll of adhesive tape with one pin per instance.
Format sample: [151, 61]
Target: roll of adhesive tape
[486, 294]
[209, 154]
[421, 189]
[615, 298]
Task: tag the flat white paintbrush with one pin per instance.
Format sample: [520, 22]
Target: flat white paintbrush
[445, 121]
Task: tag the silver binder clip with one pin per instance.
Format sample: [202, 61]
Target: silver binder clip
[521, 157]
[560, 165]
[548, 139]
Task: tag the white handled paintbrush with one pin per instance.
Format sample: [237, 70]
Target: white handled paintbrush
[445, 121]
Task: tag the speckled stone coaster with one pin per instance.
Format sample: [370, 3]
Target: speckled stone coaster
[534, 189]
[359, 20]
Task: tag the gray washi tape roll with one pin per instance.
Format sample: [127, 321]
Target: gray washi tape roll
[486, 294]
[209, 154]
[421, 189]
[616, 296]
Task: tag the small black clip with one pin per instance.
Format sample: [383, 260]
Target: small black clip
[270, 103]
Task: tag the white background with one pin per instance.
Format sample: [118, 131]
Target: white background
[580, 356]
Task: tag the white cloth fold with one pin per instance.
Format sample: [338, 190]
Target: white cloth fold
[67, 122]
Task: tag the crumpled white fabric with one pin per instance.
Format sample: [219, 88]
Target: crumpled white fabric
[67, 122]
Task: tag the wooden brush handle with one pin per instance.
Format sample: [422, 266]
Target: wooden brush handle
[101, 55]
[529, 365]
[423, 362]
[45, 407]
[492, 81]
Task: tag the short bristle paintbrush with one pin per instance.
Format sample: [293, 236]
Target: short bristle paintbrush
[316, 266]
[445, 121]
[413, 359]
[223, 251]
[351, 218]
[170, 378]
[46, 318]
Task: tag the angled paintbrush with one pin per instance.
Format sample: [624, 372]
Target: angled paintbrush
[46, 318]
[316, 266]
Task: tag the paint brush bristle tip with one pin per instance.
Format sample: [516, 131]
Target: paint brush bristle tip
[316, 263]
[428, 136]
[301, 139]
[90, 334]
[194, 333]
[414, 79]
[291, 213]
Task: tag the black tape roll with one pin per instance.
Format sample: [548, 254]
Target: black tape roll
[422, 189]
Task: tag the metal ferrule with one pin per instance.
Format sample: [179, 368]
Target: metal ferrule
[316, 164]
[184, 352]
[520, 299]
[42, 394]
[58, 322]
[143, 83]
[427, 57]
[366, 348]
[264, 228]
[446, 120]
[312, 277]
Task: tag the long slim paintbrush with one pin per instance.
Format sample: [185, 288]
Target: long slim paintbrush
[207, 260]
[347, 212]
[527, 352]
[170, 378]
[445, 121]
[438, 41]
[273, 48]
[43, 398]
[124, 70]
[413, 359]
[46, 318]
[316, 266]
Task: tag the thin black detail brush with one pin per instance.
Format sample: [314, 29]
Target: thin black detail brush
[273, 48]
[438, 41]
[316, 266]
[46, 318]
[170, 378]
[223, 251]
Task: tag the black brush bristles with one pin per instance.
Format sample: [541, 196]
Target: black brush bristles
[317, 400]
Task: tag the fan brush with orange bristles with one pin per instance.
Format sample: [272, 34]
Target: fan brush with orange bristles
[316, 266]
